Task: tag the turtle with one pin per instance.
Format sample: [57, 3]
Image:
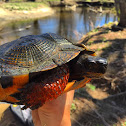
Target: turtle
[35, 69]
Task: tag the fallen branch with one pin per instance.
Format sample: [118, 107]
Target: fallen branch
[102, 119]
[116, 95]
[117, 108]
[76, 121]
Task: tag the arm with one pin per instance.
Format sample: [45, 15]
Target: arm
[54, 113]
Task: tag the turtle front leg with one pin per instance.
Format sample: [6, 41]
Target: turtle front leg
[37, 93]
[47, 87]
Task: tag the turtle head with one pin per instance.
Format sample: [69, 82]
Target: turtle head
[89, 66]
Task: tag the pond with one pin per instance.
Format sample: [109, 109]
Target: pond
[70, 24]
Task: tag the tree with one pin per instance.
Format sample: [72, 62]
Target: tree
[121, 12]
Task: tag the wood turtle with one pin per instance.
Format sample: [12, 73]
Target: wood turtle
[38, 68]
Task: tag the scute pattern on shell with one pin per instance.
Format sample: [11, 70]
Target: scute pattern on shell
[35, 53]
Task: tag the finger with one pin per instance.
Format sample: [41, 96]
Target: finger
[36, 118]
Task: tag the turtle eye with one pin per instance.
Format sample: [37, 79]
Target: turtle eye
[90, 66]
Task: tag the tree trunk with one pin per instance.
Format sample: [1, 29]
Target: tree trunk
[121, 12]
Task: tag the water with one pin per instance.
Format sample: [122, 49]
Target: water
[70, 24]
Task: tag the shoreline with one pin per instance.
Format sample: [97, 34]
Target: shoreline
[82, 3]
[7, 16]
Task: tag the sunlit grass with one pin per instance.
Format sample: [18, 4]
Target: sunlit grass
[73, 107]
[22, 5]
[53, 0]
[90, 86]
[100, 1]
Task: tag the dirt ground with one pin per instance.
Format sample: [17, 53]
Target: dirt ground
[106, 105]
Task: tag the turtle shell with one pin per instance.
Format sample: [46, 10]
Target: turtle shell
[35, 53]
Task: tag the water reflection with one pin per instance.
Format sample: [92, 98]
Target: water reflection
[70, 24]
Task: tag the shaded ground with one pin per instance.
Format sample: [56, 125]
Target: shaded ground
[8, 118]
[106, 105]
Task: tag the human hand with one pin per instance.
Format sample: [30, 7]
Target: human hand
[55, 112]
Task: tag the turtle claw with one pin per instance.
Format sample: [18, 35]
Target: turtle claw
[23, 108]
[32, 107]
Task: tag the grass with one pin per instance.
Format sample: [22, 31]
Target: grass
[90, 86]
[106, 0]
[100, 1]
[104, 39]
[53, 0]
[90, 42]
[87, 0]
[73, 107]
[22, 5]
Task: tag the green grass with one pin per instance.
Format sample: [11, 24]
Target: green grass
[22, 5]
[87, 0]
[53, 0]
[93, 31]
[90, 42]
[73, 106]
[104, 39]
[90, 86]
[106, 0]
[100, 0]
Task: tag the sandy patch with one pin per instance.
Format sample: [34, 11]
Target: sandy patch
[7, 16]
